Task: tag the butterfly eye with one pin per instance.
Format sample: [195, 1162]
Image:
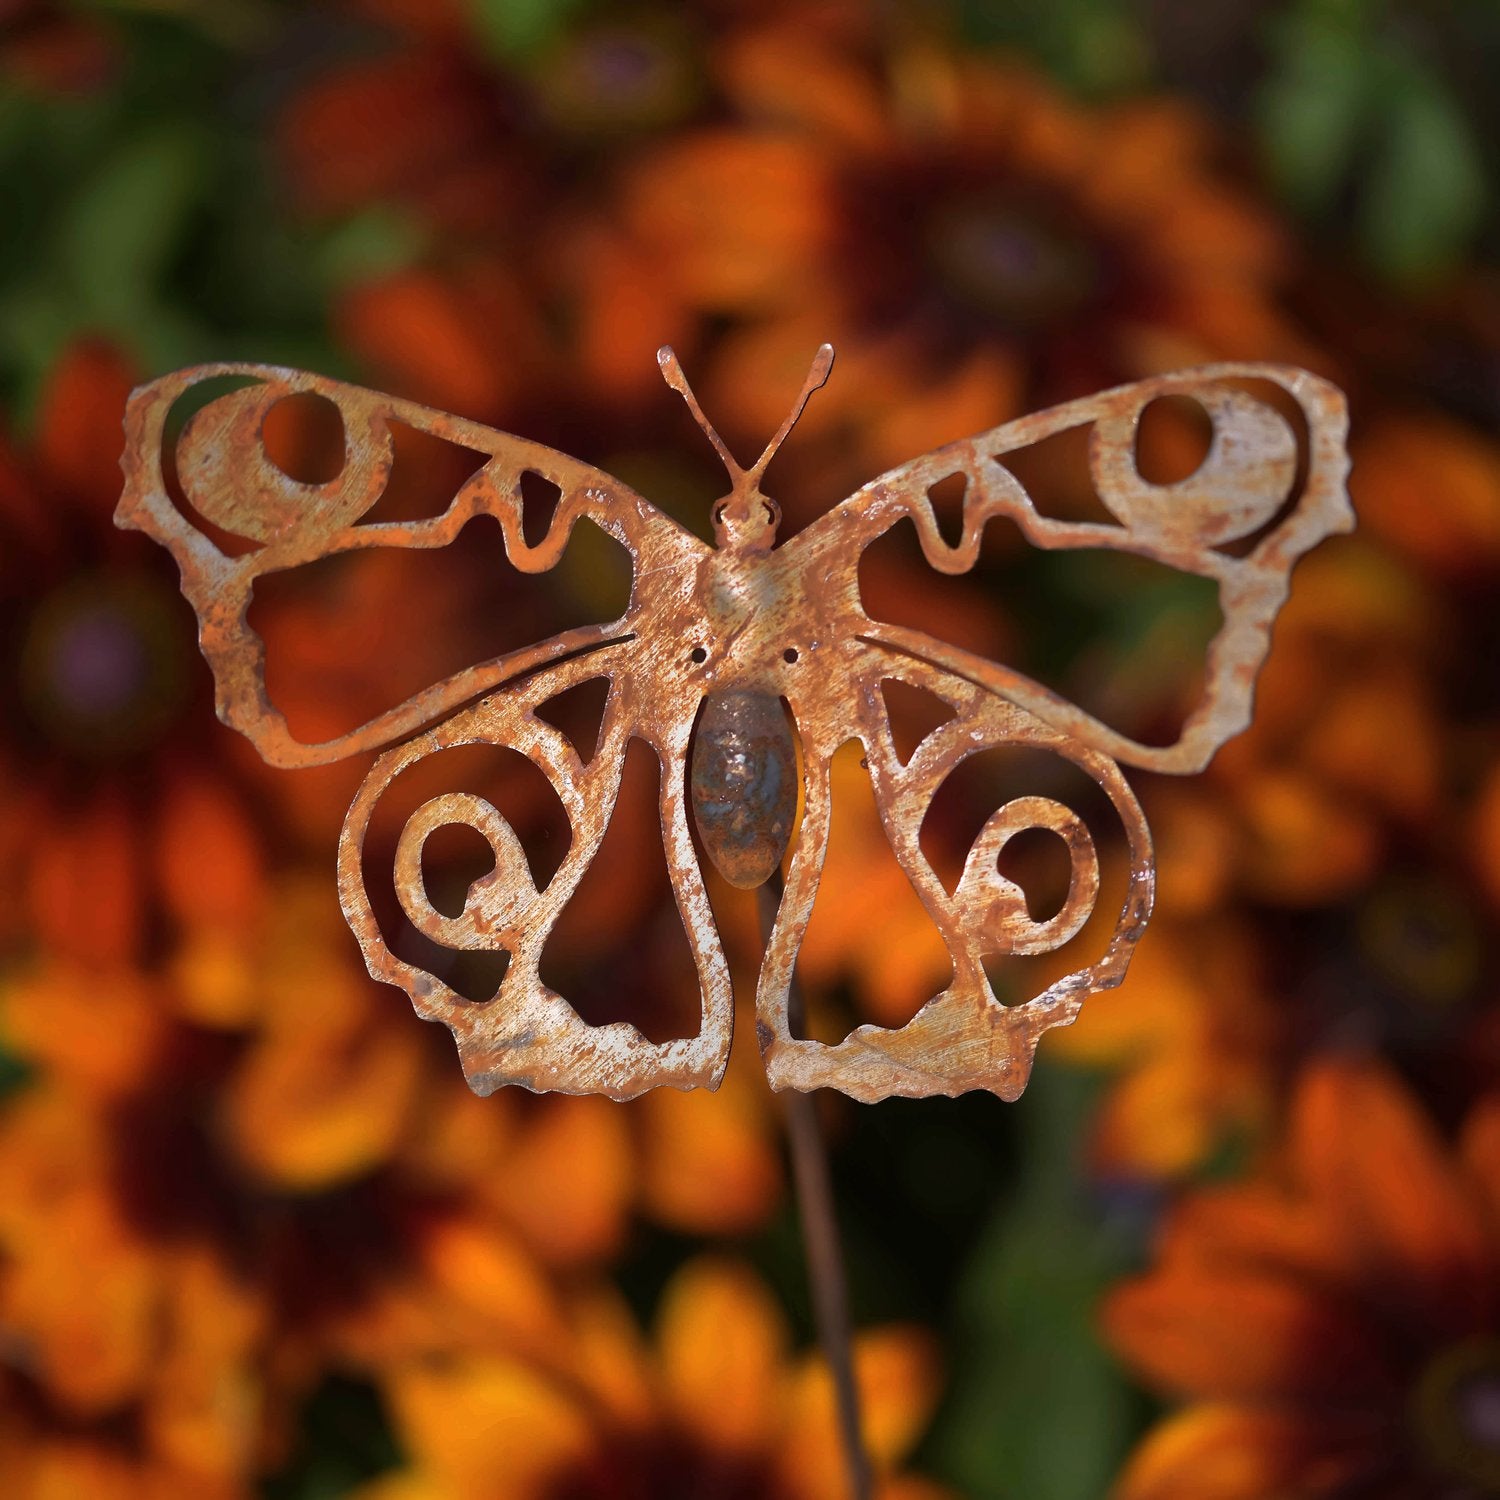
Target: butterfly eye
[790, 654]
[698, 654]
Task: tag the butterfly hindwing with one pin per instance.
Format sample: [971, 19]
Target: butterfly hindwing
[527, 1033]
[963, 1037]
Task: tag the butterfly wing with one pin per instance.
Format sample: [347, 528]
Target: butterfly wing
[1241, 520]
[228, 480]
[963, 1037]
[528, 1034]
[230, 488]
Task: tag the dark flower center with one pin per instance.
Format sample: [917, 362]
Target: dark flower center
[101, 667]
[616, 77]
[664, 1465]
[1457, 1413]
[1011, 261]
[1424, 940]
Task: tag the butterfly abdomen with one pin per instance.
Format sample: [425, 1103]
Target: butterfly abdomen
[744, 784]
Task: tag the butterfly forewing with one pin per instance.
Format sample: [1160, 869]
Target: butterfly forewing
[1268, 487]
[238, 517]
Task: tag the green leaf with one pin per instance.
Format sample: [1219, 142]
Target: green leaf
[115, 239]
[36, 322]
[1095, 47]
[1040, 1411]
[345, 1439]
[373, 243]
[521, 28]
[1312, 109]
[1426, 191]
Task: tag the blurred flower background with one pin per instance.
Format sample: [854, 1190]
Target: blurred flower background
[1241, 1237]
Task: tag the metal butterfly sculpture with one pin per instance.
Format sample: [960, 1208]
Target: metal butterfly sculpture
[745, 666]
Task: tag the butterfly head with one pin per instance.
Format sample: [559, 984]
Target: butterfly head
[745, 520]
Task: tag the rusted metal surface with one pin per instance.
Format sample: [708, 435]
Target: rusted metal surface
[744, 781]
[731, 632]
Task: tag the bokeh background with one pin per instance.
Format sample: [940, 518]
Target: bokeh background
[1241, 1237]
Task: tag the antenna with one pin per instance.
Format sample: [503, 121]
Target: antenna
[816, 376]
[671, 371]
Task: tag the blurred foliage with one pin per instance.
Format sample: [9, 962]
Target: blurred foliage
[1364, 119]
[141, 209]
[1375, 117]
[518, 28]
[345, 1440]
[1038, 1408]
[144, 211]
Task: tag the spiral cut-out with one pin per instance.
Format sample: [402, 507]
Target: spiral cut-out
[527, 1033]
[995, 908]
[495, 904]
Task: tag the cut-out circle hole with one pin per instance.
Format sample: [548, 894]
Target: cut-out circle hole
[303, 436]
[1172, 439]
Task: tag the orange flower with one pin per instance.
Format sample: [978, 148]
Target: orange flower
[219, 1188]
[230, 1179]
[430, 118]
[719, 1405]
[529, 303]
[1195, 1038]
[106, 1322]
[1335, 1319]
[421, 123]
[98, 659]
[1292, 829]
[1430, 488]
[972, 242]
[894, 967]
[47, 1456]
[1346, 747]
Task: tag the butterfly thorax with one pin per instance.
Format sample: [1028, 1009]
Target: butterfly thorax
[746, 520]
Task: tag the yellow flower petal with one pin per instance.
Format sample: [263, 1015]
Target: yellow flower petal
[897, 1372]
[488, 1427]
[708, 1164]
[722, 1340]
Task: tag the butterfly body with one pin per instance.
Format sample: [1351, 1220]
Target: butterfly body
[744, 784]
[745, 667]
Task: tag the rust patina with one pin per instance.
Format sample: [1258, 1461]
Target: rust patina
[745, 666]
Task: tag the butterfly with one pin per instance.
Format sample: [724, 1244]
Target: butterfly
[743, 665]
